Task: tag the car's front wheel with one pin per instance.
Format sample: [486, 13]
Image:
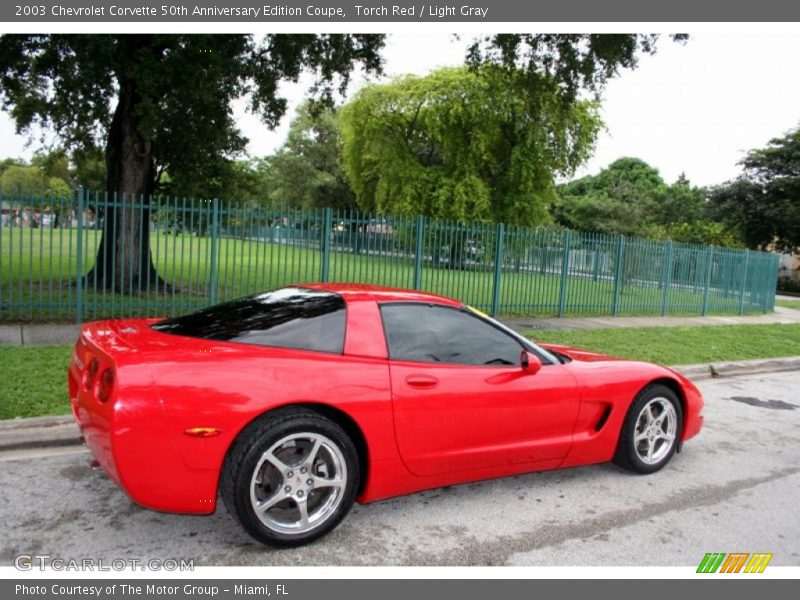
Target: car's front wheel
[291, 477]
[651, 431]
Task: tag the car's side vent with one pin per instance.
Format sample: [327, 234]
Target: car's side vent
[603, 418]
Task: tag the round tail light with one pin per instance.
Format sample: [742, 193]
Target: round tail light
[91, 373]
[106, 385]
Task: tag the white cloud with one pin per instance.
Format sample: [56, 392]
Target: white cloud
[699, 108]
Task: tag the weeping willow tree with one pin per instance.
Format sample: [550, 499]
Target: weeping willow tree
[465, 144]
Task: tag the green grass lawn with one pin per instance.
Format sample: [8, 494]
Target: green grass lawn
[35, 377]
[683, 345]
[788, 303]
[34, 381]
[38, 270]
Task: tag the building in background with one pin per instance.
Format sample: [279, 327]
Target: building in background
[789, 267]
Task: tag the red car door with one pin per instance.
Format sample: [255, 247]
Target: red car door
[453, 411]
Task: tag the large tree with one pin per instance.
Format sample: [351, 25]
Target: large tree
[764, 203]
[548, 72]
[464, 144]
[307, 170]
[161, 102]
[577, 62]
[630, 197]
[620, 199]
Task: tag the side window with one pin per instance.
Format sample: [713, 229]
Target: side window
[430, 333]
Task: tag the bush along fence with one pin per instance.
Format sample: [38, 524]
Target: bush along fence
[96, 255]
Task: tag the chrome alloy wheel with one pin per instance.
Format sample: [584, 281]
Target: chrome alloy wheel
[655, 432]
[298, 483]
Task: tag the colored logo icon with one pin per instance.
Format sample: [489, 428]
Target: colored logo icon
[735, 562]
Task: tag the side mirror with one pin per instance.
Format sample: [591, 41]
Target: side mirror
[529, 362]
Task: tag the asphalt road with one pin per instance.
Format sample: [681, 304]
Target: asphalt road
[734, 488]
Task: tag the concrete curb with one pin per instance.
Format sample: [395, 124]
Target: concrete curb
[56, 431]
[738, 368]
[35, 422]
[38, 432]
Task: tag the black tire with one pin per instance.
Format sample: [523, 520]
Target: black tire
[247, 454]
[629, 451]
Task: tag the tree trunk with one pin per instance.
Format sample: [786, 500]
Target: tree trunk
[124, 262]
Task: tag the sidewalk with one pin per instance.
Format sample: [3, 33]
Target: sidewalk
[39, 334]
[781, 315]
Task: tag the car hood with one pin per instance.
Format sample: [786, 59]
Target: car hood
[578, 353]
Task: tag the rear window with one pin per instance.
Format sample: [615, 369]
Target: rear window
[288, 318]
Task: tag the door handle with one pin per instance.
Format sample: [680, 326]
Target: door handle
[422, 381]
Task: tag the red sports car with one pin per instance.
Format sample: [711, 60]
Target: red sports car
[294, 403]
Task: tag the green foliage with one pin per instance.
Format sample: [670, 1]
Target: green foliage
[171, 98]
[575, 62]
[464, 144]
[88, 168]
[704, 232]
[681, 203]
[32, 181]
[53, 164]
[237, 180]
[630, 197]
[11, 162]
[178, 89]
[764, 203]
[307, 170]
[53, 173]
[621, 199]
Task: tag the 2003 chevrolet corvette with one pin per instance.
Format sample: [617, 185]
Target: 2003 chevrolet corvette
[293, 404]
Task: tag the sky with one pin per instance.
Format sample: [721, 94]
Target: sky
[693, 108]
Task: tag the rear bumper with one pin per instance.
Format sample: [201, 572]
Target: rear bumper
[133, 447]
[132, 442]
[92, 417]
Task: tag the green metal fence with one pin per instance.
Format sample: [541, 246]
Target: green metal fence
[207, 251]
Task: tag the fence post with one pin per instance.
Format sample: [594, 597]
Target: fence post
[420, 250]
[562, 292]
[618, 275]
[79, 282]
[743, 286]
[325, 243]
[667, 279]
[214, 249]
[498, 267]
[709, 269]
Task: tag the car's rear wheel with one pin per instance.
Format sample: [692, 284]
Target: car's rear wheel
[291, 477]
[651, 431]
